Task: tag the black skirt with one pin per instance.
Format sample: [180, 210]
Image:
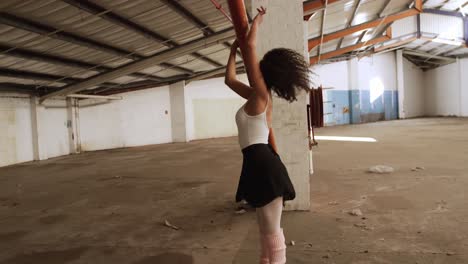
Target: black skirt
[264, 177]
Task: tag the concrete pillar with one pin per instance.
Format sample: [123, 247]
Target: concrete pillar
[178, 120]
[72, 125]
[354, 91]
[283, 27]
[400, 84]
[39, 150]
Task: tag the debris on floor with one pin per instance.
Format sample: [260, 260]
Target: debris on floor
[418, 168]
[241, 211]
[293, 243]
[380, 169]
[355, 212]
[364, 226]
[167, 224]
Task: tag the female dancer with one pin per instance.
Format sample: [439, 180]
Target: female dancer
[264, 182]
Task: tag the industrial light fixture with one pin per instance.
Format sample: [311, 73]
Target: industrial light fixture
[447, 41]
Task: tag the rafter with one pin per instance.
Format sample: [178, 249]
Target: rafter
[37, 76]
[351, 48]
[42, 29]
[135, 86]
[316, 5]
[115, 18]
[179, 51]
[381, 21]
[350, 21]
[396, 44]
[381, 12]
[177, 7]
[58, 60]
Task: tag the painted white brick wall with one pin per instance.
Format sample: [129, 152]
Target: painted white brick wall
[283, 27]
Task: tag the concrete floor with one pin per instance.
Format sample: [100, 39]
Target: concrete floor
[110, 206]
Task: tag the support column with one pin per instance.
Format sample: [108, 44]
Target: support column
[39, 150]
[178, 120]
[72, 125]
[400, 84]
[354, 92]
[283, 27]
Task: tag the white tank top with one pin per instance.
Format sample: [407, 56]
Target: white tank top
[252, 129]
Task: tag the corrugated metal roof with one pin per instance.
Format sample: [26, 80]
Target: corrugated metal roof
[114, 44]
[339, 13]
[153, 15]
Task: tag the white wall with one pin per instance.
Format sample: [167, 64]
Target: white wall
[332, 75]
[463, 72]
[53, 129]
[380, 67]
[447, 90]
[413, 105]
[210, 108]
[15, 129]
[140, 118]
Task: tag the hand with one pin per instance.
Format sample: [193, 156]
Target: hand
[259, 17]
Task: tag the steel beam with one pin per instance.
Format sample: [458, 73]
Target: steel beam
[351, 48]
[92, 96]
[361, 37]
[387, 3]
[315, 5]
[428, 55]
[381, 21]
[194, 20]
[208, 74]
[465, 30]
[113, 17]
[179, 51]
[29, 75]
[322, 30]
[396, 44]
[462, 7]
[350, 21]
[447, 53]
[442, 12]
[57, 60]
[52, 32]
[17, 87]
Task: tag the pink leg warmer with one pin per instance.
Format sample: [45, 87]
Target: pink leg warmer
[276, 247]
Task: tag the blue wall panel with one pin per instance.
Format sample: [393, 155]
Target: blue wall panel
[355, 106]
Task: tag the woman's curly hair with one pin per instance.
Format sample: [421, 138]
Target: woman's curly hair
[286, 72]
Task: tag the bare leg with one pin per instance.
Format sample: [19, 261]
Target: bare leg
[269, 220]
[264, 254]
[270, 215]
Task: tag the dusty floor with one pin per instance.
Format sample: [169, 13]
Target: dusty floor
[109, 206]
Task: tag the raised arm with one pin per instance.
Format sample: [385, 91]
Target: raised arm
[231, 79]
[249, 52]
